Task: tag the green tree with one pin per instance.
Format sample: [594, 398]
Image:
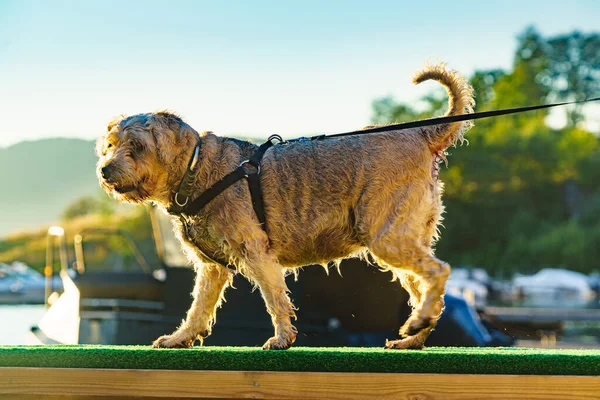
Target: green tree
[386, 111]
[574, 69]
[567, 66]
[483, 83]
[100, 204]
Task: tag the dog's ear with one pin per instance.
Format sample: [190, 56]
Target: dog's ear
[164, 135]
[170, 132]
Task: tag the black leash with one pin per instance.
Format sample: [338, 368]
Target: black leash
[442, 120]
[181, 207]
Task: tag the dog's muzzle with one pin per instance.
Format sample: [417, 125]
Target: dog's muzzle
[108, 173]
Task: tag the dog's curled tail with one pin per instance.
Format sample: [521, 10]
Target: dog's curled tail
[460, 101]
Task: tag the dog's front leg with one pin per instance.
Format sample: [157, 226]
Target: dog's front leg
[211, 282]
[268, 274]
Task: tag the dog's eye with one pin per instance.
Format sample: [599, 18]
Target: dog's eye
[109, 146]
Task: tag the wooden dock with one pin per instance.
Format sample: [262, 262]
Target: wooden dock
[75, 384]
[140, 372]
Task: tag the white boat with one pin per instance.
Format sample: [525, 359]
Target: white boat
[20, 284]
[554, 283]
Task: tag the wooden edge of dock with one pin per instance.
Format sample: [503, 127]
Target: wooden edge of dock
[80, 383]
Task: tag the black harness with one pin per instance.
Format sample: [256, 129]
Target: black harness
[184, 206]
[181, 204]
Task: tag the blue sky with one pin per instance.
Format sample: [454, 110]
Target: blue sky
[246, 68]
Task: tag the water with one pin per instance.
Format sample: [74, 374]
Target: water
[16, 320]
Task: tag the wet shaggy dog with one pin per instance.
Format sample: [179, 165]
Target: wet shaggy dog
[324, 201]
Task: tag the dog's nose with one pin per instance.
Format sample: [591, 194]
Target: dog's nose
[107, 172]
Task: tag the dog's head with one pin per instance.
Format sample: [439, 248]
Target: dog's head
[141, 155]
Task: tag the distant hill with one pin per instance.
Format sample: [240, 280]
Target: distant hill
[38, 179]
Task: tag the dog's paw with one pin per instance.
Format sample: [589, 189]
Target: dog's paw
[277, 343]
[174, 341]
[406, 343]
[415, 325]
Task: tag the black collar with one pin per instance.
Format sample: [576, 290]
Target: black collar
[181, 196]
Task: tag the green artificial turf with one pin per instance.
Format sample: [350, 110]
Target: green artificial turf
[432, 360]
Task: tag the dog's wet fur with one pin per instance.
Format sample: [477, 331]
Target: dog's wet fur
[375, 194]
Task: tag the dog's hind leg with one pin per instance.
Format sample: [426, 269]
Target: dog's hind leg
[410, 342]
[268, 275]
[429, 280]
[209, 290]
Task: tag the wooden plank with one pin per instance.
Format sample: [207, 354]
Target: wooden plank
[91, 383]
